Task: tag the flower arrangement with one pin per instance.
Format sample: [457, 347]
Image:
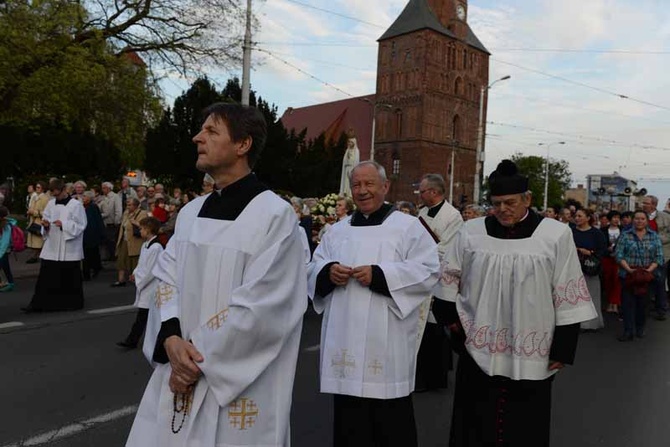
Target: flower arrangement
[325, 206]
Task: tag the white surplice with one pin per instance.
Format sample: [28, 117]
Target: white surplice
[66, 243]
[512, 293]
[368, 340]
[239, 290]
[145, 294]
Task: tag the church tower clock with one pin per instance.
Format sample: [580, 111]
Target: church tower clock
[431, 68]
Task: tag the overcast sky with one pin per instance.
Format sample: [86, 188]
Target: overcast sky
[610, 47]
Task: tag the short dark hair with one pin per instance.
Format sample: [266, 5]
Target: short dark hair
[56, 184]
[612, 214]
[627, 214]
[242, 122]
[151, 223]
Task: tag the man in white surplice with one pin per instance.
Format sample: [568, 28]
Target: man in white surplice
[517, 296]
[443, 222]
[369, 276]
[231, 295]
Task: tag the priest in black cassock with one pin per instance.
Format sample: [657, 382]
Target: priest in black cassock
[517, 298]
[369, 276]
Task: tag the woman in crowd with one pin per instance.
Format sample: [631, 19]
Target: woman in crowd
[472, 212]
[6, 224]
[129, 241]
[639, 252]
[611, 283]
[79, 188]
[406, 207]
[93, 236]
[591, 247]
[158, 210]
[344, 206]
[34, 239]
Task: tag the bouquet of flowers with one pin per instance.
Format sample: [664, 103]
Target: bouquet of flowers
[325, 206]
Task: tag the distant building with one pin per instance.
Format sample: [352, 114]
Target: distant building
[431, 69]
[612, 192]
[580, 194]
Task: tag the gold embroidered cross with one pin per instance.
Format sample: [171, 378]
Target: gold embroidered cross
[376, 367]
[242, 413]
[217, 320]
[164, 294]
[341, 364]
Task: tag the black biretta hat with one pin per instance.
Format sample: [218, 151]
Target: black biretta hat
[506, 180]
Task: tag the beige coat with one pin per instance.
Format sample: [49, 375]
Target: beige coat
[134, 243]
[35, 216]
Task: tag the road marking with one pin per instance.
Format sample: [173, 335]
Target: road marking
[75, 428]
[11, 324]
[111, 310]
[312, 348]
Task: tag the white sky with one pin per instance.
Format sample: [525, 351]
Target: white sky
[602, 132]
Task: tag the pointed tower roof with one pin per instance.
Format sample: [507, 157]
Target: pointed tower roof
[416, 16]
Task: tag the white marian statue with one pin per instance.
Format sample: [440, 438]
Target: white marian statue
[351, 158]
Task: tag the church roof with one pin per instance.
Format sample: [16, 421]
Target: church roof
[416, 16]
[334, 118]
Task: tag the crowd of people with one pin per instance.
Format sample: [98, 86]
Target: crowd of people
[400, 287]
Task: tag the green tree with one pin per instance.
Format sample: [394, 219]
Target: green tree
[560, 177]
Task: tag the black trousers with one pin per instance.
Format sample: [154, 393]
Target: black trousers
[363, 422]
[91, 261]
[139, 326]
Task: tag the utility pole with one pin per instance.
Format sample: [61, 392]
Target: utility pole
[246, 58]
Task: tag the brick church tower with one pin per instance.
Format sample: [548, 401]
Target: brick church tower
[431, 69]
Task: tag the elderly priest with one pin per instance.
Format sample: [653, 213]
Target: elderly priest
[518, 297]
[370, 275]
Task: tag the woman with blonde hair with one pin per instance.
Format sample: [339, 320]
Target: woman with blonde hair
[34, 239]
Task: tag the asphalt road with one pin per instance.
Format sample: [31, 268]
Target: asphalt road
[64, 383]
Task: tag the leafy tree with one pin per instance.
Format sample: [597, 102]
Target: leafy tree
[533, 166]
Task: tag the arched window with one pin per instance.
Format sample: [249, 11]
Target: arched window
[458, 86]
[464, 62]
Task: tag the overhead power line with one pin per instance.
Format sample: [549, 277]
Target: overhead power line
[304, 72]
[581, 84]
[335, 13]
[581, 137]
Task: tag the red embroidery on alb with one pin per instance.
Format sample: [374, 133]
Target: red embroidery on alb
[522, 344]
[449, 276]
[572, 293]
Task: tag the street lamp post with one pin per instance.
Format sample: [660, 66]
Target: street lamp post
[546, 171]
[374, 114]
[480, 139]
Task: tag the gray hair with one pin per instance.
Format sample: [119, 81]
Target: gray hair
[436, 181]
[108, 185]
[380, 170]
[478, 210]
[89, 194]
[134, 201]
[208, 179]
[80, 182]
[653, 199]
[297, 201]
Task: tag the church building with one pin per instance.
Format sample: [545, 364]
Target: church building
[431, 70]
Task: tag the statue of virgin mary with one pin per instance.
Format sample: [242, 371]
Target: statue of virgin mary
[351, 158]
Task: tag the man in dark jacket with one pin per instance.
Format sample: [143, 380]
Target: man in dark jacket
[93, 236]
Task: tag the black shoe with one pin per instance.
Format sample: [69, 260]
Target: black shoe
[640, 334]
[126, 345]
[95, 274]
[660, 317]
[119, 284]
[33, 261]
[30, 309]
[626, 337]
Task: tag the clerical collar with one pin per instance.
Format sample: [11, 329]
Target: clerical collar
[432, 211]
[521, 230]
[358, 219]
[229, 202]
[64, 201]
